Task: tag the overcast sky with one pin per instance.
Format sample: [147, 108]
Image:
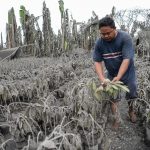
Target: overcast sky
[81, 10]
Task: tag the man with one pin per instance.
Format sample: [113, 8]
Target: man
[115, 49]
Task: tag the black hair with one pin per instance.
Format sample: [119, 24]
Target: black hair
[107, 21]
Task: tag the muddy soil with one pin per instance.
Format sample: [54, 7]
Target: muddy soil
[129, 136]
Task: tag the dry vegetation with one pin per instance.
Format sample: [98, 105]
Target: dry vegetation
[56, 102]
[50, 103]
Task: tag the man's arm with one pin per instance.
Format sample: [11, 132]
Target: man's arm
[100, 70]
[123, 68]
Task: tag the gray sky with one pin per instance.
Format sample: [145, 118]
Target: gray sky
[81, 10]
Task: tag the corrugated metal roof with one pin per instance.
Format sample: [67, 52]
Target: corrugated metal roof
[9, 53]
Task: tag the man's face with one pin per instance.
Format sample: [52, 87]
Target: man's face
[107, 33]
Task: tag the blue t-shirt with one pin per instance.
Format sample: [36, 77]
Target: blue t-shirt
[113, 52]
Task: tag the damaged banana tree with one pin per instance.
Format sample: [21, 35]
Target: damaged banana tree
[108, 91]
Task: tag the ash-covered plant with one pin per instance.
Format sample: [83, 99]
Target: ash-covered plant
[82, 99]
[109, 91]
[45, 91]
[60, 138]
[143, 100]
[75, 134]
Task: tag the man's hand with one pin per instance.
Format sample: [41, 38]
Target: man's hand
[115, 79]
[105, 82]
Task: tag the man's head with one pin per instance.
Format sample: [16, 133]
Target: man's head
[107, 28]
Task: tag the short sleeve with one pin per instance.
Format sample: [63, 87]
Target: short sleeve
[97, 53]
[127, 48]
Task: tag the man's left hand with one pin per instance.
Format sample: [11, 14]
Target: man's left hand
[115, 79]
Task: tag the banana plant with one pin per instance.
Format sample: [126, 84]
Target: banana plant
[61, 8]
[11, 29]
[111, 90]
[1, 41]
[22, 13]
